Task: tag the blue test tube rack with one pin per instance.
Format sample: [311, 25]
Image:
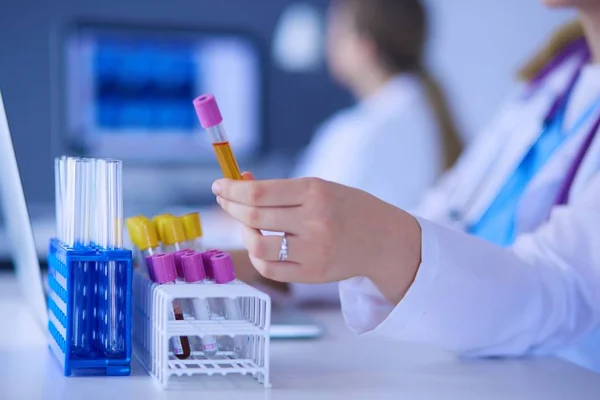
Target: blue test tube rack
[78, 281]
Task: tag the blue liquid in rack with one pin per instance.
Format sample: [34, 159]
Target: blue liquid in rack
[83, 308]
[112, 278]
[99, 308]
[78, 282]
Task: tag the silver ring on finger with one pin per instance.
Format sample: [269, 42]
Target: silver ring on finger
[283, 250]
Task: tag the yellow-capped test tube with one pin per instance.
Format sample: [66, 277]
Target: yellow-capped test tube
[192, 226]
[129, 224]
[143, 235]
[156, 222]
[172, 234]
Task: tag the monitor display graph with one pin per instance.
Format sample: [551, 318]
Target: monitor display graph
[130, 92]
[145, 86]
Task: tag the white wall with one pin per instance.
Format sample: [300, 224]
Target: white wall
[476, 46]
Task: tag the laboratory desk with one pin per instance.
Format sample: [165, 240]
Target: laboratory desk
[338, 366]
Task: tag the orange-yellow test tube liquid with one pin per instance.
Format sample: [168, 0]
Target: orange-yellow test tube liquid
[210, 118]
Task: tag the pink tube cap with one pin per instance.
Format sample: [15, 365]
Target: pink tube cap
[193, 267]
[150, 267]
[208, 263]
[177, 256]
[223, 268]
[208, 111]
[163, 266]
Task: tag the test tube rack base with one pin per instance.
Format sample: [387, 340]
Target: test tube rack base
[78, 309]
[153, 328]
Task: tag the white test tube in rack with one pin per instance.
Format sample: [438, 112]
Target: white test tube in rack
[163, 267]
[193, 271]
[115, 343]
[224, 274]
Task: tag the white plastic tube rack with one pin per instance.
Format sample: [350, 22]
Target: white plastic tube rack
[153, 330]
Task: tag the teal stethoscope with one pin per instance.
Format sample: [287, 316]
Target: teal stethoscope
[577, 49]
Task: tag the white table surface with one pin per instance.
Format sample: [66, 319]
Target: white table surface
[339, 365]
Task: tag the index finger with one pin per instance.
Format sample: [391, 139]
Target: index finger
[269, 193]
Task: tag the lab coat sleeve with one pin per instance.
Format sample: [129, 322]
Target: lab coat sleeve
[478, 299]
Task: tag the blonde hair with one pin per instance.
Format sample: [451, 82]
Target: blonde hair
[564, 36]
[452, 144]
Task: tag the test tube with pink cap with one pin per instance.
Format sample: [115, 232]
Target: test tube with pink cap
[194, 273]
[211, 119]
[177, 256]
[216, 307]
[164, 272]
[223, 272]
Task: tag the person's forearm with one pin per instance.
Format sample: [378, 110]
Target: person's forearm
[399, 256]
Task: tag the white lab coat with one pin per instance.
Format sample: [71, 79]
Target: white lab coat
[392, 136]
[540, 296]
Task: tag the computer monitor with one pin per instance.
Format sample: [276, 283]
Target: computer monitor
[129, 91]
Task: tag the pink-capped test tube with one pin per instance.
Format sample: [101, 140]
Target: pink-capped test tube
[164, 272]
[224, 273]
[206, 256]
[178, 265]
[211, 119]
[185, 303]
[216, 306]
[150, 267]
[193, 271]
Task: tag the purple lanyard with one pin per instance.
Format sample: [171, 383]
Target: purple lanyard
[578, 47]
[563, 194]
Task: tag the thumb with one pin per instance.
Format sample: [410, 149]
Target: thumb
[247, 176]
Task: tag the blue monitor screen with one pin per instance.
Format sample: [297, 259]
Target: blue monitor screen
[129, 92]
[142, 85]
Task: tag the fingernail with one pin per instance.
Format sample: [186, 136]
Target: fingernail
[216, 188]
[218, 200]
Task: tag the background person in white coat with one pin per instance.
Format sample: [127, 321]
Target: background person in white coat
[400, 130]
[400, 136]
[503, 259]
